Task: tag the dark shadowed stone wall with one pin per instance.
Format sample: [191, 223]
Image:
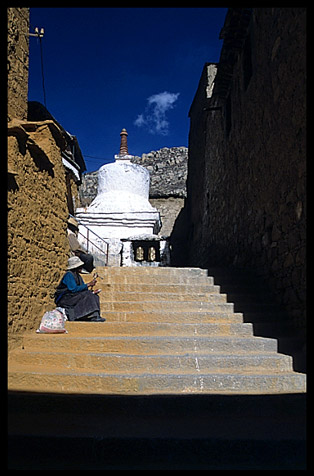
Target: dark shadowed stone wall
[246, 193]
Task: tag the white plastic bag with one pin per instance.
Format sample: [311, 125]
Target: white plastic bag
[53, 322]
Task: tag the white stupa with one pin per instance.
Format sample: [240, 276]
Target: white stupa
[121, 209]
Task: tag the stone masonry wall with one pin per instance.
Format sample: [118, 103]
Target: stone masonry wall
[18, 43]
[253, 211]
[37, 223]
[88, 188]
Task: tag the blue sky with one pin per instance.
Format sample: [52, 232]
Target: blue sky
[111, 68]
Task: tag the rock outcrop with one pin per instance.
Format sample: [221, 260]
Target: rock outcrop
[168, 171]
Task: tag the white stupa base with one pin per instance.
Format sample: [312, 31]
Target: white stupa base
[120, 211]
[101, 234]
[119, 225]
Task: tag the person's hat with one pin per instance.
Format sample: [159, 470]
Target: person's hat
[72, 221]
[74, 262]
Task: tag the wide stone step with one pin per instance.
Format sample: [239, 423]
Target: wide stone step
[31, 361]
[153, 280]
[191, 317]
[152, 271]
[249, 298]
[264, 317]
[159, 329]
[158, 288]
[149, 344]
[166, 305]
[253, 307]
[159, 296]
[139, 275]
[148, 383]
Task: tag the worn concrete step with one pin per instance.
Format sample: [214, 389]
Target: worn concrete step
[267, 316]
[252, 307]
[158, 288]
[246, 297]
[148, 383]
[233, 276]
[152, 276]
[166, 305]
[274, 328]
[160, 270]
[154, 280]
[152, 271]
[35, 361]
[162, 296]
[148, 344]
[238, 287]
[159, 329]
[191, 317]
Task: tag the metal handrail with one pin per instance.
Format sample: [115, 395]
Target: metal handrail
[106, 253]
[96, 246]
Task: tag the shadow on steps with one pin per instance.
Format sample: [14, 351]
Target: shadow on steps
[53, 431]
[252, 298]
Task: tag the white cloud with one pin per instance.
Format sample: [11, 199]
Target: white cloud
[139, 121]
[154, 118]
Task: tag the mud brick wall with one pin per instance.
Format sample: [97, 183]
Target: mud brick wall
[253, 172]
[18, 61]
[37, 216]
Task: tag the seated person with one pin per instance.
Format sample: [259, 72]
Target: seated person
[79, 302]
[76, 248]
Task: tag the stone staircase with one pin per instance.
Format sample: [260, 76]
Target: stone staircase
[167, 331]
[174, 379]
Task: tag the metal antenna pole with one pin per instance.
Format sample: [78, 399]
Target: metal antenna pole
[40, 34]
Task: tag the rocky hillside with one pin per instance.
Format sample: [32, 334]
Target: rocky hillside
[168, 173]
[88, 188]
